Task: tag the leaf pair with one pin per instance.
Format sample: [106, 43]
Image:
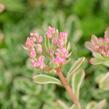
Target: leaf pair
[77, 75]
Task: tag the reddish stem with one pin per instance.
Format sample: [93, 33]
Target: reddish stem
[68, 87]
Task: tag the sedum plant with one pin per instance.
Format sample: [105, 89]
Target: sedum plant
[50, 53]
[100, 50]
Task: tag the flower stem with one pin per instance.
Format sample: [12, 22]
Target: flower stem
[68, 87]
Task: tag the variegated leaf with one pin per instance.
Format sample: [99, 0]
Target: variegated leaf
[77, 80]
[45, 79]
[75, 66]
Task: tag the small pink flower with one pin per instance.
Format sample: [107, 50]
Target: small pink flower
[29, 43]
[62, 52]
[62, 39]
[34, 35]
[59, 60]
[54, 41]
[51, 31]
[60, 43]
[63, 35]
[106, 39]
[33, 62]
[61, 56]
[39, 48]
[51, 52]
[32, 53]
[40, 62]
[65, 52]
[39, 39]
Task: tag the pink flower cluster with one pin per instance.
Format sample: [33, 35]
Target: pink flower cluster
[56, 52]
[99, 45]
[34, 48]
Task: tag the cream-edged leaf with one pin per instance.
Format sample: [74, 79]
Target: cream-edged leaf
[77, 80]
[75, 66]
[45, 79]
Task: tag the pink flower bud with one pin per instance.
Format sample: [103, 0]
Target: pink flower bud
[40, 62]
[60, 43]
[62, 52]
[33, 62]
[51, 52]
[91, 61]
[54, 41]
[51, 31]
[62, 39]
[32, 53]
[59, 60]
[39, 39]
[34, 35]
[63, 35]
[61, 56]
[29, 43]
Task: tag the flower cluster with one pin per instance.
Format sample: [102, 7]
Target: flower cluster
[34, 48]
[54, 51]
[99, 45]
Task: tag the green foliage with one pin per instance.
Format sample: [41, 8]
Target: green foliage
[16, 6]
[85, 6]
[93, 25]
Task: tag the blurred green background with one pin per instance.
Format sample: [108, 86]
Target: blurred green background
[80, 18]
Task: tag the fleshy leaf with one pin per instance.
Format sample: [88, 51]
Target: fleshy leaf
[76, 66]
[94, 105]
[74, 107]
[101, 105]
[77, 80]
[103, 61]
[104, 82]
[91, 105]
[53, 105]
[88, 45]
[45, 79]
[62, 104]
[99, 78]
[99, 59]
[97, 55]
